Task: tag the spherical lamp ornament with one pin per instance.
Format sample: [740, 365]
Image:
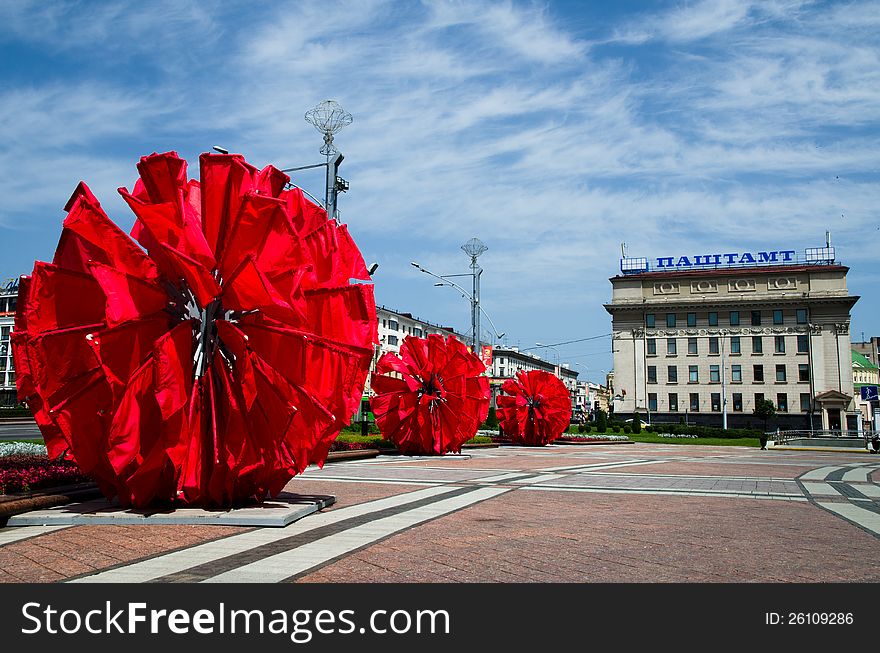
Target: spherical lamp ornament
[436, 401]
[535, 409]
[215, 363]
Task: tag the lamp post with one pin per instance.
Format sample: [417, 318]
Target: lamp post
[722, 333]
[498, 335]
[328, 118]
[473, 248]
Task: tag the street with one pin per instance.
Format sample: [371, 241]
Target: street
[19, 430]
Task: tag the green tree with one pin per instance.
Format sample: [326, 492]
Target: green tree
[637, 423]
[491, 419]
[601, 421]
[764, 410]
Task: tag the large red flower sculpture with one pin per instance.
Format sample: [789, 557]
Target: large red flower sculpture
[536, 409]
[438, 400]
[212, 367]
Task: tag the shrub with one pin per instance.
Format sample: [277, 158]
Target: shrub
[637, 423]
[627, 429]
[601, 421]
[491, 419]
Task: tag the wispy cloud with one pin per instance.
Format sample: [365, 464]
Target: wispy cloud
[552, 136]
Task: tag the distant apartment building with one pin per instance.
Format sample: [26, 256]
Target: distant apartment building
[866, 385]
[870, 349]
[8, 302]
[507, 361]
[703, 338]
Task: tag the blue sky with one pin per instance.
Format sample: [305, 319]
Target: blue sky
[552, 131]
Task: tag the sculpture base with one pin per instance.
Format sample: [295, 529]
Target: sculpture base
[280, 511]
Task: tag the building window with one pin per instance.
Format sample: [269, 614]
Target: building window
[713, 345]
[695, 402]
[716, 402]
[2, 364]
[802, 344]
[692, 319]
[801, 314]
[736, 373]
[417, 332]
[672, 374]
[777, 316]
[780, 373]
[692, 346]
[756, 318]
[759, 397]
[803, 372]
[734, 345]
[805, 402]
[651, 344]
[500, 371]
[650, 320]
[673, 402]
[714, 374]
[734, 318]
[713, 319]
[652, 401]
[693, 374]
[670, 319]
[737, 402]
[671, 349]
[652, 374]
[779, 344]
[757, 345]
[782, 402]
[392, 340]
[758, 371]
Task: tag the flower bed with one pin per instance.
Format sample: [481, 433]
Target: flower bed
[595, 437]
[676, 435]
[25, 467]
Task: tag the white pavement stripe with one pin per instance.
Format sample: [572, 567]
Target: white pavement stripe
[12, 534]
[869, 490]
[682, 493]
[177, 561]
[378, 481]
[821, 489]
[502, 477]
[296, 561]
[857, 475]
[865, 518]
[819, 474]
[540, 478]
[615, 463]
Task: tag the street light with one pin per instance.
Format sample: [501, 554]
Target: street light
[328, 118]
[473, 248]
[449, 284]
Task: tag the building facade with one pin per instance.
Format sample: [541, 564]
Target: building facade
[703, 342]
[8, 302]
[507, 361]
[866, 382]
[870, 349]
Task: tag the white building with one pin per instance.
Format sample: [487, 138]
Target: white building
[8, 301]
[706, 336]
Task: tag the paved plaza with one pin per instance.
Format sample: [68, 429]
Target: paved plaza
[561, 513]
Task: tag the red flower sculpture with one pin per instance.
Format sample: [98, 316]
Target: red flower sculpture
[536, 409]
[439, 400]
[211, 368]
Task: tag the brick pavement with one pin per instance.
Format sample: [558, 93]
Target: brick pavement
[606, 513]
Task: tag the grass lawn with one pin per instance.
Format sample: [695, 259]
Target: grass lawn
[717, 442]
